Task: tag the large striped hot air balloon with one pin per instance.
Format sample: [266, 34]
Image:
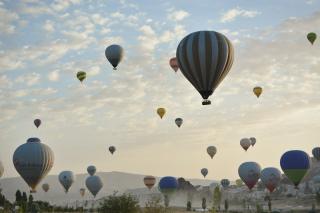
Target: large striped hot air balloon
[205, 58]
[295, 165]
[249, 173]
[149, 181]
[33, 161]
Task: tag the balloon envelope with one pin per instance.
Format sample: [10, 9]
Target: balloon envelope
[114, 54]
[179, 122]
[168, 184]
[204, 172]
[94, 184]
[312, 37]
[271, 178]
[257, 91]
[112, 149]
[253, 141]
[149, 181]
[91, 170]
[225, 183]
[45, 187]
[66, 178]
[295, 165]
[37, 122]
[249, 172]
[81, 75]
[82, 191]
[205, 58]
[161, 112]
[33, 161]
[174, 64]
[245, 143]
[211, 150]
[316, 153]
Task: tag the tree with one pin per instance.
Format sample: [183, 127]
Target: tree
[204, 203]
[18, 196]
[30, 198]
[166, 201]
[24, 197]
[226, 205]
[124, 203]
[189, 206]
[154, 205]
[217, 197]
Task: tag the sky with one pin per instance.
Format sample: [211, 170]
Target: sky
[43, 44]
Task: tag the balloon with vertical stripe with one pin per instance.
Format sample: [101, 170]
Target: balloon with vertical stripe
[205, 58]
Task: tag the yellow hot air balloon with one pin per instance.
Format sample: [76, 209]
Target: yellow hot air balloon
[161, 112]
[257, 91]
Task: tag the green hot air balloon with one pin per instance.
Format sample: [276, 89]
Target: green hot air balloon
[312, 37]
[81, 75]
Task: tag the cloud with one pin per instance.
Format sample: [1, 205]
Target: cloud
[177, 15]
[48, 26]
[232, 14]
[7, 20]
[54, 75]
[29, 79]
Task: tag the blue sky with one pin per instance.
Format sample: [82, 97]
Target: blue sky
[45, 43]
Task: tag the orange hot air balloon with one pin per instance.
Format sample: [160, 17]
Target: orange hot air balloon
[174, 64]
[161, 112]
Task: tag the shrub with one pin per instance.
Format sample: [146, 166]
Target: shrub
[124, 203]
[154, 205]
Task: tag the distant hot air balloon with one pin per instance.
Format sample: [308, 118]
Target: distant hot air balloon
[211, 150]
[33, 161]
[168, 185]
[295, 165]
[1, 169]
[316, 153]
[37, 122]
[205, 58]
[94, 184]
[245, 143]
[249, 172]
[257, 91]
[253, 141]
[82, 192]
[239, 182]
[91, 170]
[114, 54]
[149, 181]
[204, 172]
[66, 178]
[174, 64]
[112, 149]
[225, 183]
[179, 122]
[271, 178]
[45, 187]
[81, 75]
[161, 112]
[312, 37]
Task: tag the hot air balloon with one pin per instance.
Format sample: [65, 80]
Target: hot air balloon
[91, 170]
[316, 153]
[45, 187]
[205, 58]
[114, 54]
[312, 37]
[257, 91]
[81, 75]
[179, 122]
[225, 183]
[168, 185]
[66, 178]
[94, 184]
[82, 191]
[253, 141]
[33, 161]
[239, 182]
[112, 149]
[161, 112]
[295, 165]
[245, 143]
[149, 181]
[271, 178]
[204, 172]
[1, 169]
[249, 172]
[211, 150]
[37, 122]
[174, 64]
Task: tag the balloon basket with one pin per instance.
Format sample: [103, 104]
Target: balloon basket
[206, 102]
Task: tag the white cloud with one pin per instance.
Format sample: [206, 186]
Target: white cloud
[54, 75]
[117, 15]
[48, 26]
[7, 20]
[177, 15]
[60, 5]
[29, 79]
[232, 14]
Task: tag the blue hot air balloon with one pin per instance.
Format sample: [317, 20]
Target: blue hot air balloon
[295, 165]
[168, 184]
